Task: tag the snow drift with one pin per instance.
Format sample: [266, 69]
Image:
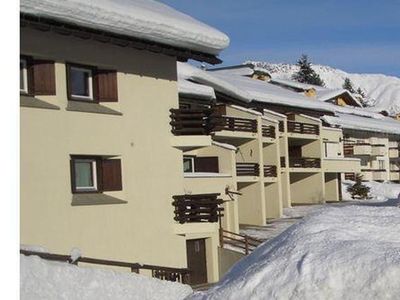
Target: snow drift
[41, 279]
[145, 19]
[351, 252]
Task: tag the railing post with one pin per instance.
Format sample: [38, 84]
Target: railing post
[246, 245]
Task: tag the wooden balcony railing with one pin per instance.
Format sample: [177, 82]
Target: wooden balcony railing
[302, 128]
[373, 170]
[190, 121]
[283, 162]
[164, 273]
[218, 123]
[304, 162]
[197, 208]
[244, 242]
[247, 169]
[281, 126]
[270, 171]
[268, 131]
[205, 121]
[350, 176]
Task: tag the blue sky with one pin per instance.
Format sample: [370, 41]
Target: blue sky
[354, 35]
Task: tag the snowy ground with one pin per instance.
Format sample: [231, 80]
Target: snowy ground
[45, 280]
[337, 251]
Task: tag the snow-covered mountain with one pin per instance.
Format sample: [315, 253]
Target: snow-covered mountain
[382, 91]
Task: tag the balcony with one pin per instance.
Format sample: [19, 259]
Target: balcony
[394, 175]
[281, 126]
[190, 121]
[199, 208]
[304, 162]
[302, 128]
[268, 131]
[366, 174]
[351, 149]
[190, 128]
[247, 169]
[270, 172]
[341, 165]
[393, 152]
[378, 150]
[374, 174]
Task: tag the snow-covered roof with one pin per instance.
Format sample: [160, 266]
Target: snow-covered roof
[191, 89]
[145, 19]
[384, 125]
[269, 93]
[247, 89]
[328, 94]
[208, 78]
[296, 84]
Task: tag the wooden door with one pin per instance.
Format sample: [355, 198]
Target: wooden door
[196, 260]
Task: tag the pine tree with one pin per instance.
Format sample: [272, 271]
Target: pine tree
[306, 74]
[361, 92]
[358, 189]
[348, 85]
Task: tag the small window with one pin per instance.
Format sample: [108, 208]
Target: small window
[85, 175]
[23, 76]
[95, 174]
[381, 164]
[80, 82]
[188, 164]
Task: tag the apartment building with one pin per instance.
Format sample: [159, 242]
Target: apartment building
[310, 153]
[100, 167]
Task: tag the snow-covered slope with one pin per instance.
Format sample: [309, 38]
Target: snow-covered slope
[46, 280]
[382, 91]
[350, 252]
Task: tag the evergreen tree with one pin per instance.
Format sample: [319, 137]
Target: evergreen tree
[306, 74]
[358, 189]
[361, 92]
[348, 85]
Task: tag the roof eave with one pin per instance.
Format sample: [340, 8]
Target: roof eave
[65, 28]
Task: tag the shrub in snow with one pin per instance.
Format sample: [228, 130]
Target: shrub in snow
[358, 189]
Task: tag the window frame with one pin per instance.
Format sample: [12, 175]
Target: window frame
[24, 91]
[191, 158]
[91, 84]
[96, 173]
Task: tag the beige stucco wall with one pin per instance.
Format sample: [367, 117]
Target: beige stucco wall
[307, 187]
[142, 230]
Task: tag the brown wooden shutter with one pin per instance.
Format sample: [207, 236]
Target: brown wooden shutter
[106, 86]
[111, 175]
[206, 164]
[43, 79]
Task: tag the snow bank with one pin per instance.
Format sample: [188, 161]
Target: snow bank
[42, 280]
[351, 252]
[145, 19]
[378, 191]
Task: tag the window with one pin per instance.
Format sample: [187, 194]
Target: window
[206, 164]
[80, 83]
[90, 174]
[188, 164]
[85, 174]
[36, 76]
[381, 164]
[23, 76]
